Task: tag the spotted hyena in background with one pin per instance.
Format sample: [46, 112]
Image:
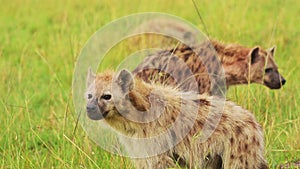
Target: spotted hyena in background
[237, 139]
[242, 65]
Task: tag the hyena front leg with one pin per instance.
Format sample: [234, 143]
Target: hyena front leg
[159, 162]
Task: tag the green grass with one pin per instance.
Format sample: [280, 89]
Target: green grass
[41, 40]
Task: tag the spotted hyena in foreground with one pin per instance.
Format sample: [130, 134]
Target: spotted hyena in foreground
[242, 65]
[237, 139]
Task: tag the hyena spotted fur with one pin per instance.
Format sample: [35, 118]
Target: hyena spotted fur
[242, 65]
[236, 142]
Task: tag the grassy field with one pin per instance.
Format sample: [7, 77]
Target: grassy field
[41, 40]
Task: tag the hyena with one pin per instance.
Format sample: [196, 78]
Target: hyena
[242, 65]
[117, 98]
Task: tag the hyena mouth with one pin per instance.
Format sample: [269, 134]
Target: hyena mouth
[95, 114]
[105, 114]
[273, 85]
[276, 83]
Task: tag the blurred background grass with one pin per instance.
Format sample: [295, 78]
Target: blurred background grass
[39, 44]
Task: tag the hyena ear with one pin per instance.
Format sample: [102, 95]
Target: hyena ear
[90, 77]
[254, 55]
[272, 50]
[125, 80]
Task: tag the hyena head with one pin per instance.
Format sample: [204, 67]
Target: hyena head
[263, 68]
[101, 99]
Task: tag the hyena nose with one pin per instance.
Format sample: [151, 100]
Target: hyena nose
[283, 81]
[91, 108]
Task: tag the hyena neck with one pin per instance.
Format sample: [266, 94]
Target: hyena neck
[160, 103]
[236, 79]
[230, 52]
[235, 61]
[143, 94]
[139, 95]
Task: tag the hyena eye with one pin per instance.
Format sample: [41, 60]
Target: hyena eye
[90, 96]
[106, 97]
[268, 70]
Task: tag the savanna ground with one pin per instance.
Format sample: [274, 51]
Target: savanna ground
[41, 40]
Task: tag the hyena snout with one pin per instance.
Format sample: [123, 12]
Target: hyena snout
[274, 81]
[93, 111]
[283, 80]
[91, 108]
